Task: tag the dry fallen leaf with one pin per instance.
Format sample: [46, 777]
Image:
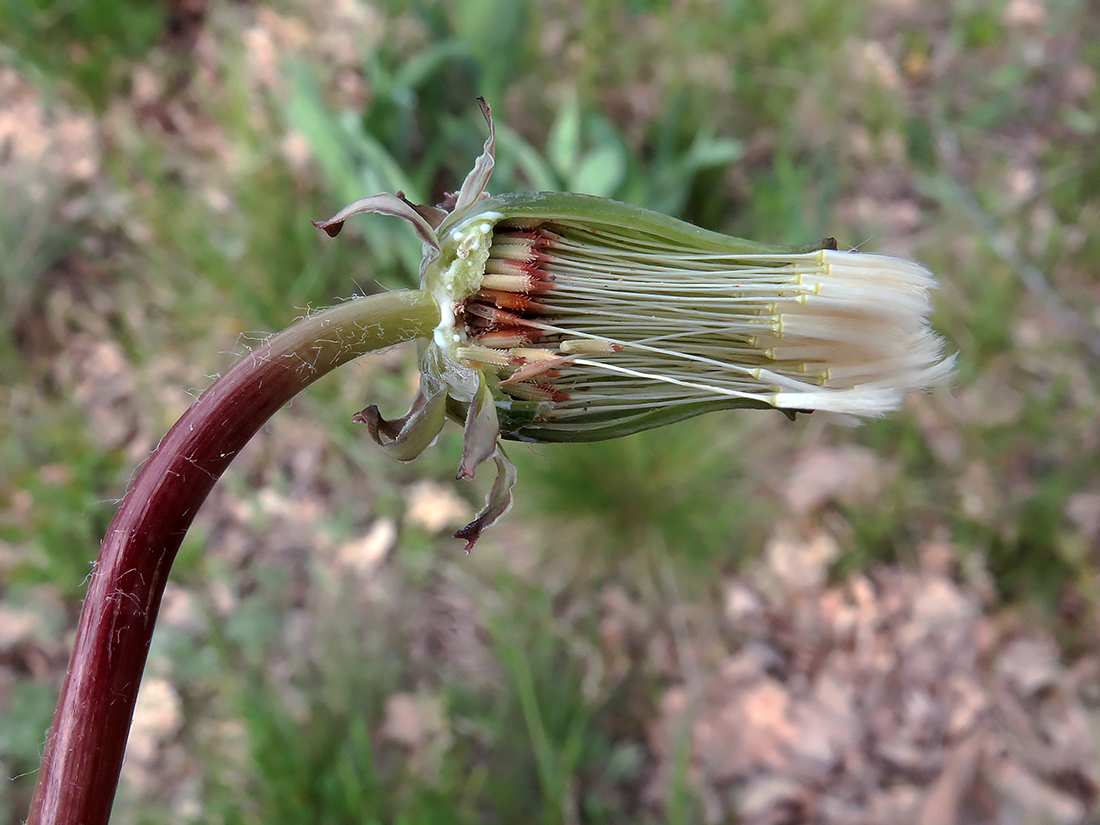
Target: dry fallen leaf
[889, 698]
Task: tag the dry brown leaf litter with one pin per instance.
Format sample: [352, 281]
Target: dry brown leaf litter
[892, 697]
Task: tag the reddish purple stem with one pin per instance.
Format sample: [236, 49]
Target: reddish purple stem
[87, 739]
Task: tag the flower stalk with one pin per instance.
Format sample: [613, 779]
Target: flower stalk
[87, 739]
[541, 317]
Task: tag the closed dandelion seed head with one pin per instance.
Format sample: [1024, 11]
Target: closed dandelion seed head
[566, 317]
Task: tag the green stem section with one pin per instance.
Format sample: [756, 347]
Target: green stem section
[87, 739]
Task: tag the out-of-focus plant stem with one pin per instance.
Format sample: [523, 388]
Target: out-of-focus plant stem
[87, 739]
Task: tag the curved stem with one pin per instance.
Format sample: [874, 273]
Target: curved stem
[87, 739]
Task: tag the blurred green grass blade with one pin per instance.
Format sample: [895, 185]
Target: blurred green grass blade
[384, 173]
[518, 157]
[563, 144]
[306, 113]
[709, 152]
[494, 33]
[600, 172]
[422, 67]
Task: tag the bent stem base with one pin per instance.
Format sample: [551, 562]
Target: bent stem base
[86, 743]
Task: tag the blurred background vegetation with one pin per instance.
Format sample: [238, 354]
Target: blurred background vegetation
[324, 651]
